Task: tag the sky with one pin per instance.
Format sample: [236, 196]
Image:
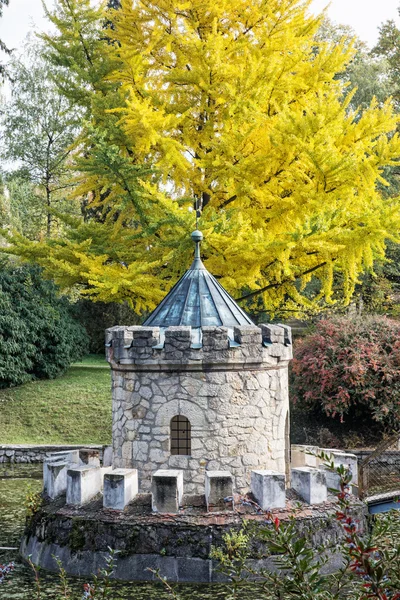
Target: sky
[364, 16]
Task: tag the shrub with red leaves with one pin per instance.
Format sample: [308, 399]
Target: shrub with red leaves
[350, 367]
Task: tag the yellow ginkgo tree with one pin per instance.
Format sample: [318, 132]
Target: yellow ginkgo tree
[234, 106]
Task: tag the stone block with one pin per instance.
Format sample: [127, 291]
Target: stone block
[55, 478]
[310, 484]
[120, 488]
[83, 484]
[219, 491]
[273, 334]
[268, 488]
[89, 457]
[177, 339]
[346, 459]
[247, 335]
[116, 339]
[332, 479]
[301, 457]
[215, 338]
[287, 334]
[65, 455]
[144, 337]
[127, 343]
[107, 456]
[167, 490]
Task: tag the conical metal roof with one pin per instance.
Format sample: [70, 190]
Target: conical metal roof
[197, 299]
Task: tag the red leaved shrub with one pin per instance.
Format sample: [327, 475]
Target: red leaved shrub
[350, 367]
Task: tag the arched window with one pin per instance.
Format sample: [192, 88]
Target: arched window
[180, 436]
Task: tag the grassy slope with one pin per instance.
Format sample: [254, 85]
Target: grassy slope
[72, 409]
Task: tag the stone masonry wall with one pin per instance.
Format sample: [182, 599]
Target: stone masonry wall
[235, 397]
[31, 453]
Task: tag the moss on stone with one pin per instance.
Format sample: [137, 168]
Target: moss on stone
[77, 536]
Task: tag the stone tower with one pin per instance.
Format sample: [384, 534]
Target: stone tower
[200, 387]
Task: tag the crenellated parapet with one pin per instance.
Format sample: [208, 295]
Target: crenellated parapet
[154, 348]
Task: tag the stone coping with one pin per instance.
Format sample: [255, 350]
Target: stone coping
[37, 453]
[377, 498]
[49, 447]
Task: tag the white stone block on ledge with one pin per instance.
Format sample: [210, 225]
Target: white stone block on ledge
[55, 469]
[120, 488]
[219, 487]
[167, 490]
[310, 484]
[89, 457]
[268, 488]
[346, 459]
[55, 478]
[304, 456]
[107, 456]
[84, 483]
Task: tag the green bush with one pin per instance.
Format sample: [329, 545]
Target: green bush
[39, 337]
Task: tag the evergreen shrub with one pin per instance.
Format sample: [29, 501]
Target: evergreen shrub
[350, 367]
[39, 337]
[96, 317]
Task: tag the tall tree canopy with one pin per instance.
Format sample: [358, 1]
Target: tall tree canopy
[3, 46]
[237, 107]
[388, 46]
[39, 126]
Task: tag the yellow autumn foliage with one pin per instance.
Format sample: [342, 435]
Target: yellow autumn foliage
[236, 106]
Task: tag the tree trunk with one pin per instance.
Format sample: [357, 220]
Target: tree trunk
[48, 203]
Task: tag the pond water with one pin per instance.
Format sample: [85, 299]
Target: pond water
[15, 482]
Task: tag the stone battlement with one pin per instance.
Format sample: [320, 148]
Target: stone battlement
[153, 348]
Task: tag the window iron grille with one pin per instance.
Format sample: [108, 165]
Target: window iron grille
[180, 436]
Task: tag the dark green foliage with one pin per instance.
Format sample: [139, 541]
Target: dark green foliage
[96, 317]
[39, 338]
[379, 292]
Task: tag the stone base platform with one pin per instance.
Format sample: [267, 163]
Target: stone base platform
[178, 545]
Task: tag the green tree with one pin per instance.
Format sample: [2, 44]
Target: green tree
[39, 127]
[3, 47]
[366, 76]
[388, 47]
[25, 206]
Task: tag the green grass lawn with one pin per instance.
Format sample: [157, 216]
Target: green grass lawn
[72, 409]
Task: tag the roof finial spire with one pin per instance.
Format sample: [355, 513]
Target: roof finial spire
[197, 212]
[197, 237]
